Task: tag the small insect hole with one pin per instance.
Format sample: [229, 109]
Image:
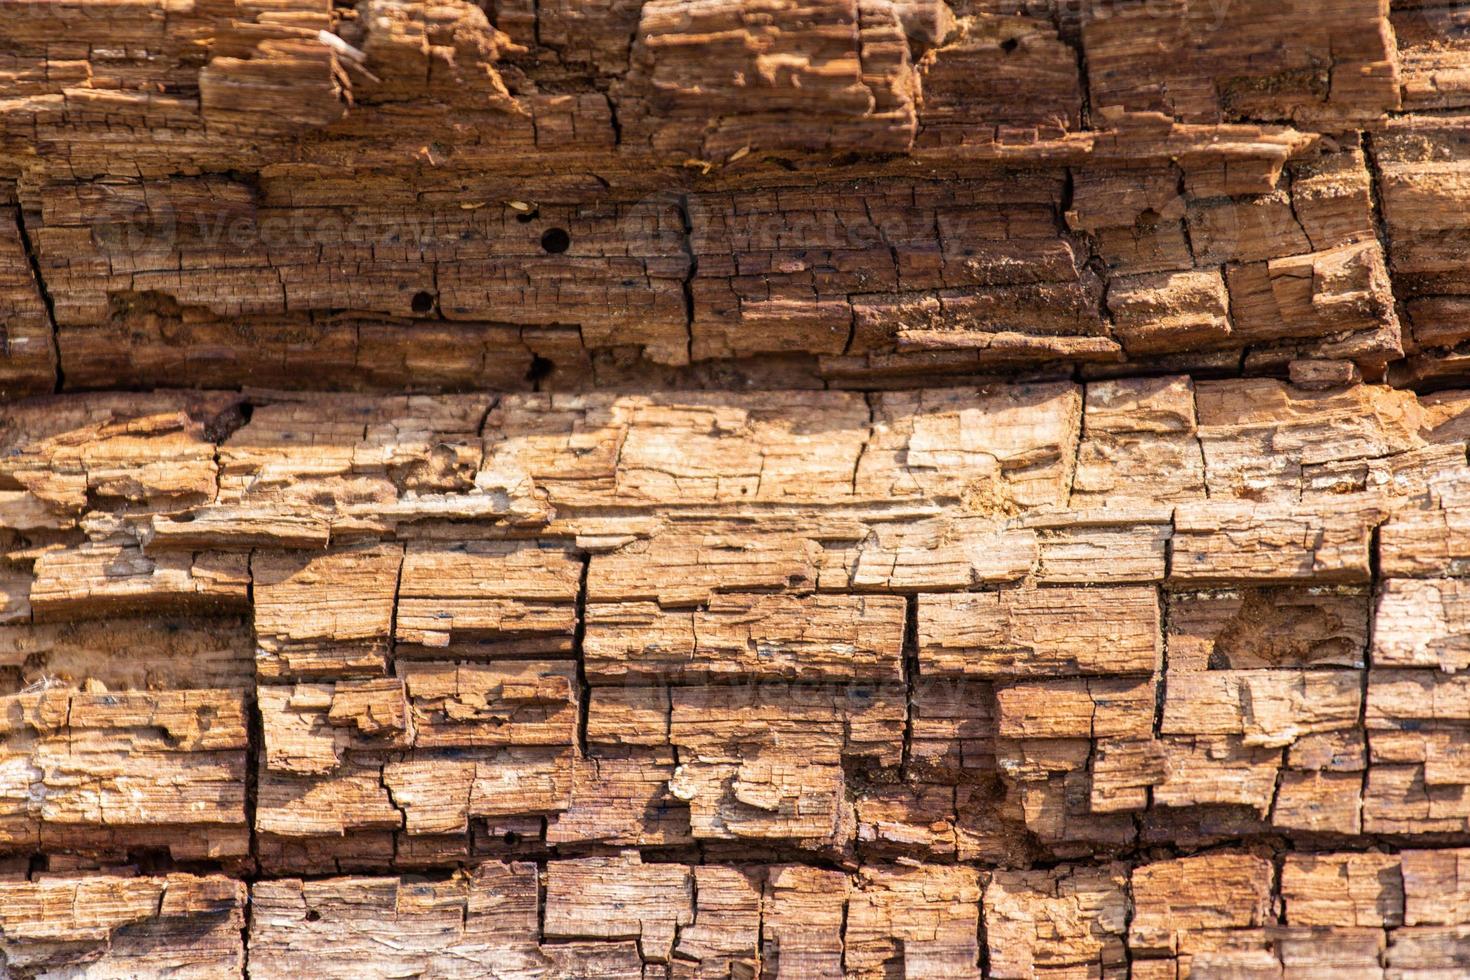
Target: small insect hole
[541, 369]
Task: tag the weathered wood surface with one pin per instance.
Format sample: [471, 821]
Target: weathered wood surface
[737, 488]
[710, 670]
[390, 194]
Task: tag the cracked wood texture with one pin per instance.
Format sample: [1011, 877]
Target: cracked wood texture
[671, 489]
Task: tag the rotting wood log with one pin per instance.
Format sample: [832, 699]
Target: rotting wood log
[734, 488]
